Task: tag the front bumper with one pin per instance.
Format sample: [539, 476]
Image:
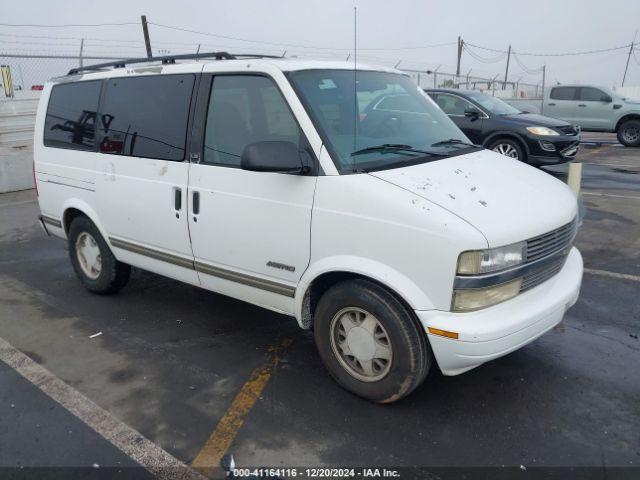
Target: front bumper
[496, 331]
[550, 150]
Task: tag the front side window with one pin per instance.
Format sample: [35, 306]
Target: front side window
[146, 116]
[71, 115]
[372, 109]
[453, 105]
[245, 109]
[563, 93]
[493, 105]
[590, 94]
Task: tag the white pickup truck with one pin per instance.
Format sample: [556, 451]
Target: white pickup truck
[594, 109]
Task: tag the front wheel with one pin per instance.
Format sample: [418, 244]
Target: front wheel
[509, 148]
[92, 260]
[629, 133]
[370, 342]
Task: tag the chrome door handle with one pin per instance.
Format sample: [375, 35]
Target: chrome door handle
[581, 105]
[552, 104]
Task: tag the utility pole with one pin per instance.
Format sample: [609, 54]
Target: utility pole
[629, 58]
[544, 77]
[145, 32]
[81, 49]
[506, 72]
[460, 45]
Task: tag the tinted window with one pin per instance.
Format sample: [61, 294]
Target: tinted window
[243, 110]
[563, 93]
[71, 115]
[146, 116]
[589, 94]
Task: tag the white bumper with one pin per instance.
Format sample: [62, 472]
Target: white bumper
[495, 331]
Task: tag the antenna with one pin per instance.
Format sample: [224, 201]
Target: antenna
[355, 78]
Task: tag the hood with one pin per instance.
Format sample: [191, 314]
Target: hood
[506, 200]
[533, 119]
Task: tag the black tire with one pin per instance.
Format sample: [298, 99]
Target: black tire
[628, 133]
[508, 142]
[411, 357]
[113, 274]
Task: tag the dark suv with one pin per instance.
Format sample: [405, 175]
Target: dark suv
[496, 125]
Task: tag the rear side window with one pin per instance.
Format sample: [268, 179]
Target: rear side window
[71, 115]
[146, 116]
[563, 93]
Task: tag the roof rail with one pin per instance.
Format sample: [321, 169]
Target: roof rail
[169, 59]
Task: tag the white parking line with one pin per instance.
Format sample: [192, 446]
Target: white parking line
[636, 197]
[606, 273]
[143, 451]
[611, 165]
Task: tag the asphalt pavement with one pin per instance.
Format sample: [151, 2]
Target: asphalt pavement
[190, 370]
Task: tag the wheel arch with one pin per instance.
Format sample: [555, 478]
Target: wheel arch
[319, 278]
[508, 135]
[624, 118]
[75, 207]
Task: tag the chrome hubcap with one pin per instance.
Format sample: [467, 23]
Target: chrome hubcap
[506, 149]
[361, 344]
[88, 254]
[631, 134]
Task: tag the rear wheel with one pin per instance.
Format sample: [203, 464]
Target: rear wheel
[92, 260]
[370, 342]
[629, 133]
[509, 148]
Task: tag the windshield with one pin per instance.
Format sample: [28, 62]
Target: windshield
[493, 105]
[391, 111]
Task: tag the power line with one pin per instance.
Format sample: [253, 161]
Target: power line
[283, 44]
[67, 25]
[564, 54]
[524, 68]
[482, 59]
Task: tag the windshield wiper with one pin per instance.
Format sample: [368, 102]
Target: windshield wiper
[393, 148]
[454, 141]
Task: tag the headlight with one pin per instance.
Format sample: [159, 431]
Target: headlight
[477, 298]
[542, 131]
[475, 262]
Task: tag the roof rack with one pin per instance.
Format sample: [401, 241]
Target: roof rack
[169, 59]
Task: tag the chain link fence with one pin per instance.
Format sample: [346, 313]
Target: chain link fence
[29, 72]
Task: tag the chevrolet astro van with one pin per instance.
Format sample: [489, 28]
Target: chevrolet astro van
[402, 245]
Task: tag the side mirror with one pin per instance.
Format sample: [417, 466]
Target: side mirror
[471, 112]
[606, 99]
[275, 156]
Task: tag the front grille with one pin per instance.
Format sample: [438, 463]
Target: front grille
[551, 242]
[568, 130]
[537, 277]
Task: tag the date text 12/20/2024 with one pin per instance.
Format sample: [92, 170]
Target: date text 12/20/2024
[315, 472]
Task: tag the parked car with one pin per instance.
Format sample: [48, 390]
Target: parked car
[398, 241]
[490, 122]
[594, 109]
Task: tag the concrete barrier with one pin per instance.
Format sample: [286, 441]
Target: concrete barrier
[17, 117]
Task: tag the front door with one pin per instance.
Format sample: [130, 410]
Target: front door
[143, 171]
[594, 110]
[250, 231]
[455, 106]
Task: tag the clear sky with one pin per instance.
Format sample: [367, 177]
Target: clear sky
[388, 31]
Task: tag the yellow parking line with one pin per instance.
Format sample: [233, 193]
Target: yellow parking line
[229, 425]
[606, 273]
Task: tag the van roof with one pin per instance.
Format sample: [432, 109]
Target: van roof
[194, 63]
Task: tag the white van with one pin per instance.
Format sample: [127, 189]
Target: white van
[341, 196]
